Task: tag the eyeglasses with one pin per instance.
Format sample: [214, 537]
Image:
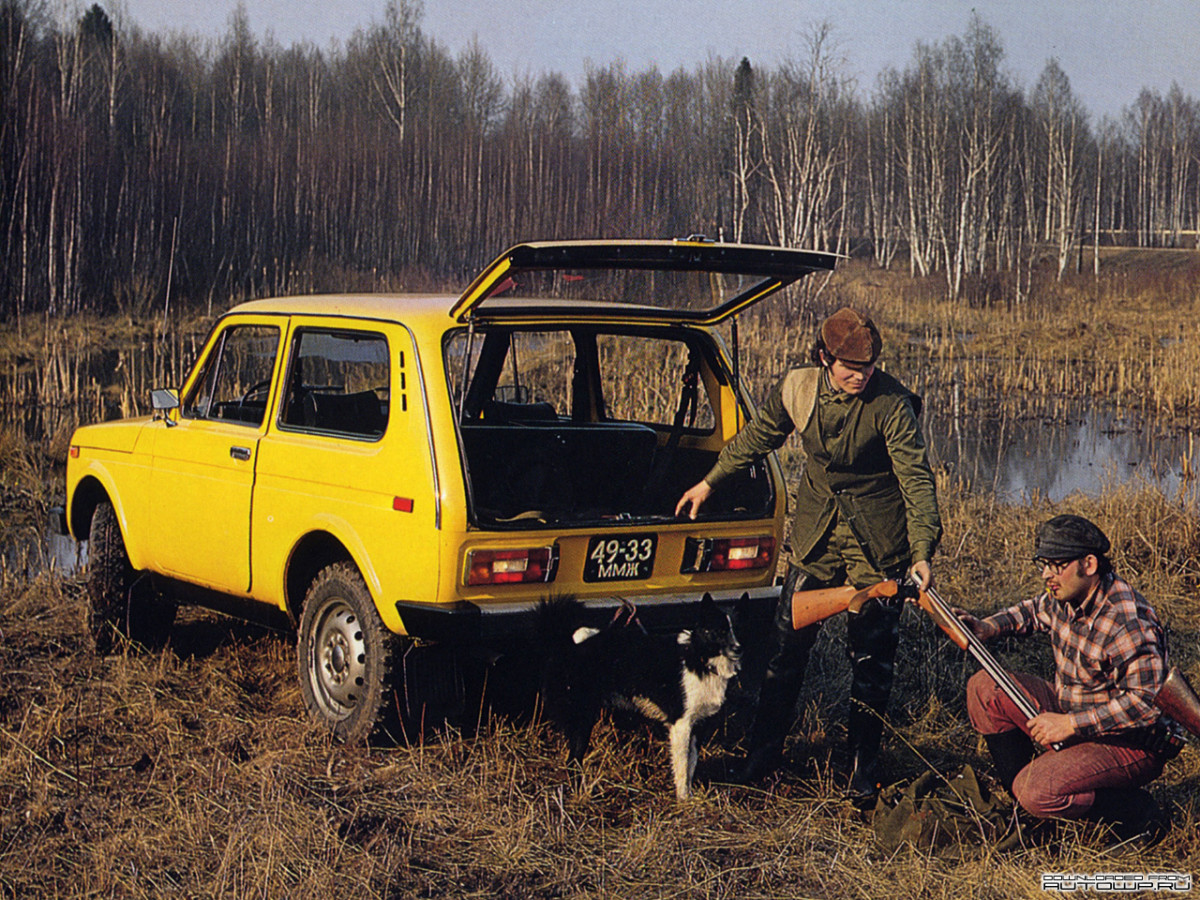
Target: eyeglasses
[1054, 565]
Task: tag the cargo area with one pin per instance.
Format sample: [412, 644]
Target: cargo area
[550, 435]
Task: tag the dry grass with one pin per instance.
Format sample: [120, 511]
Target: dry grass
[195, 773]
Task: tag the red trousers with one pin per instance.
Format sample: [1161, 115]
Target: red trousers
[1059, 783]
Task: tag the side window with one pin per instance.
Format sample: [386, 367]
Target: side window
[236, 379]
[512, 375]
[647, 379]
[538, 370]
[337, 383]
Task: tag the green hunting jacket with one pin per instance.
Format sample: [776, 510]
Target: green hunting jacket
[865, 461]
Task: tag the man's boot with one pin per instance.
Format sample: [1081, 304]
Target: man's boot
[781, 684]
[1011, 751]
[864, 729]
[872, 635]
[1134, 819]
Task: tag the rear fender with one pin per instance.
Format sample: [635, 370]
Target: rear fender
[332, 539]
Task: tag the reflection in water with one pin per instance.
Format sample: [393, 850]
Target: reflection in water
[28, 555]
[1085, 451]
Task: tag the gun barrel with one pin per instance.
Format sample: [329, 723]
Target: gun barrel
[943, 615]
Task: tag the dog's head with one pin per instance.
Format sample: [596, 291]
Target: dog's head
[710, 644]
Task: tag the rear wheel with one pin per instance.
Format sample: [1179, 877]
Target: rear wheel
[122, 603]
[345, 654]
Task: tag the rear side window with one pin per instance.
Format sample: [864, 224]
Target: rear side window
[236, 379]
[337, 383]
[652, 380]
[512, 375]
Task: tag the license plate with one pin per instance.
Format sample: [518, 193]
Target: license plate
[620, 557]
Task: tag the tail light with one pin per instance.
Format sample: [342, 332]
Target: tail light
[523, 565]
[727, 554]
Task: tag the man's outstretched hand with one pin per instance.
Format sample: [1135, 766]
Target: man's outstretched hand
[693, 499]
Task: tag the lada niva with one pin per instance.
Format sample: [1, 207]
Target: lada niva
[393, 471]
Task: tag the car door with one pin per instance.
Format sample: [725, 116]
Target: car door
[204, 461]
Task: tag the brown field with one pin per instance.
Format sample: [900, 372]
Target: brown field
[194, 771]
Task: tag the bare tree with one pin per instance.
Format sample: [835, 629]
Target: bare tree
[391, 45]
[804, 146]
[1063, 131]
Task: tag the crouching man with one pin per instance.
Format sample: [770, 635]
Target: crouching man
[1110, 661]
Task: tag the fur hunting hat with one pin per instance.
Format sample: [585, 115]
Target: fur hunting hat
[850, 336]
[1068, 537]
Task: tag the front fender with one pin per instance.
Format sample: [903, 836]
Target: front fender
[95, 483]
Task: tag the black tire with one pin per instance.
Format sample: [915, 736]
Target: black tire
[345, 655]
[122, 603]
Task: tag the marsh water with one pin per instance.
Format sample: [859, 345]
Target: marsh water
[1082, 451]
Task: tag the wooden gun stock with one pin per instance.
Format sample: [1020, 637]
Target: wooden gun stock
[1177, 699]
[810, 607]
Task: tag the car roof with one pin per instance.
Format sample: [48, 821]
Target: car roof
[392, 307]
[385, 307]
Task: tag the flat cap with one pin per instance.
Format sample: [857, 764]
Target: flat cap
[1068, 537]
[851, 336]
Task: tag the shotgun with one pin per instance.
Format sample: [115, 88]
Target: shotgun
[809, 607]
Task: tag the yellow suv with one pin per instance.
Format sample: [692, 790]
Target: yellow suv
[394, 471]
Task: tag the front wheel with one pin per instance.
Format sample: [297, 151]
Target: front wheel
[345, 654]
[122, 604]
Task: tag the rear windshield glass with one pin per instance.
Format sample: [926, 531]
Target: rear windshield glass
[681, 291]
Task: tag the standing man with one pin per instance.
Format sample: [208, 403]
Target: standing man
[1110, 662]
[866, 511]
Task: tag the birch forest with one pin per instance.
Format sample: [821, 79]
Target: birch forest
[146, 173]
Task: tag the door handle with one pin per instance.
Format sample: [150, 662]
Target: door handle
[242, 453]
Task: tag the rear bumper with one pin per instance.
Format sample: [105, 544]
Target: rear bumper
[467, 622]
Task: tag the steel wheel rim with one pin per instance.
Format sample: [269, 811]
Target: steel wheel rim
[338, 659]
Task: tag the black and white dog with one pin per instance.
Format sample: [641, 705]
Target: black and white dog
[675, 679]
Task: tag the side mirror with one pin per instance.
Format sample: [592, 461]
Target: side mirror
[161, 401]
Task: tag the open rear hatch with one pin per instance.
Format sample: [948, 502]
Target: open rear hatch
[693, 281]
[589, 390]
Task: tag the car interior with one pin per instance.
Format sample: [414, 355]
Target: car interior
[555, 429]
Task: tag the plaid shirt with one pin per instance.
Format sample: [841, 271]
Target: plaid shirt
[1109, 654]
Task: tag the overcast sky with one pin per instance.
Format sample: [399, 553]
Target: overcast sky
[1110, 49]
